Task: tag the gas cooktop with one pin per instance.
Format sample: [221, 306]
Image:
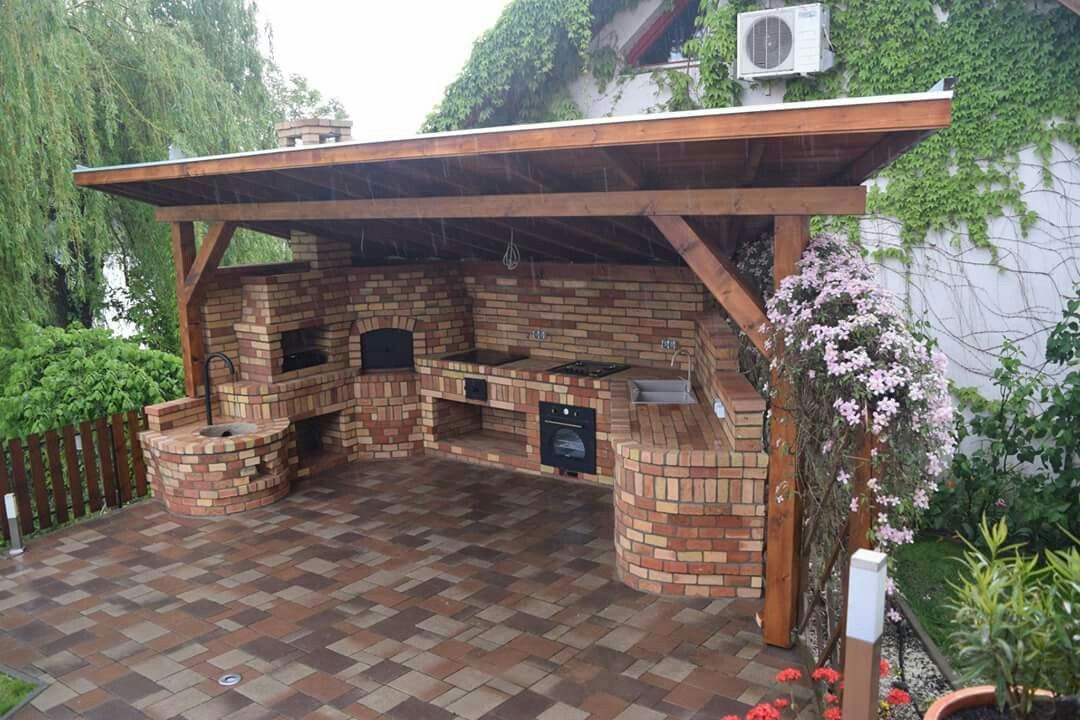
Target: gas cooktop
[480, 356]
[589, 368]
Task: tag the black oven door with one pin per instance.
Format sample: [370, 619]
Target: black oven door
[568, 442]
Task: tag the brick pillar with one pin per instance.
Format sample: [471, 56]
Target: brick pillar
[320, 253]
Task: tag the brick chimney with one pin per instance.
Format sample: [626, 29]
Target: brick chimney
[312, 131]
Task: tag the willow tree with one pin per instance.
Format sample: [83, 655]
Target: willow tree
[103, 82]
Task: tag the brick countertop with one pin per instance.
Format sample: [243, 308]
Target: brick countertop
[186, 440]
[651, 427]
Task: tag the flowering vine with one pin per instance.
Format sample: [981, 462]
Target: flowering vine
[856, 365]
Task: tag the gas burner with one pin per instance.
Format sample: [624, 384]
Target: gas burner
[589, 368]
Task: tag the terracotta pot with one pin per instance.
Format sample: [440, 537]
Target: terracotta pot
[959, 700]
[967, 698]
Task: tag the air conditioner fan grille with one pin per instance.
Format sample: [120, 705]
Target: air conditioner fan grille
[768, 42]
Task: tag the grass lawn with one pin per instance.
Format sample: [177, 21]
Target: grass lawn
[12, 691]
[923, 571]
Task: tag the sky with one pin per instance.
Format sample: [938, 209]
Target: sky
[387, 61]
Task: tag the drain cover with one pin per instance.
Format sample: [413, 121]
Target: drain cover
[229, 679]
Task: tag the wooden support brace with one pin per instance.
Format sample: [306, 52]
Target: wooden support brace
[784, 516]
[718, 274]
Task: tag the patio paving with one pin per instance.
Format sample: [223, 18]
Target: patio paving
[419, 588]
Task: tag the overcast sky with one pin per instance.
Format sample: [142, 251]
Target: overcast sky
[387, 61]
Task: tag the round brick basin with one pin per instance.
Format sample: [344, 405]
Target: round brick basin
[198, 475]
[689, 508]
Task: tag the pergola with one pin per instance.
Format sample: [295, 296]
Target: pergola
[656, 189]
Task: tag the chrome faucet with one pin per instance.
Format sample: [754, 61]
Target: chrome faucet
[689, 364]
[210, 382]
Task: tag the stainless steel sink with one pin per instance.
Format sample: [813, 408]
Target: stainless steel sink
[661, 392]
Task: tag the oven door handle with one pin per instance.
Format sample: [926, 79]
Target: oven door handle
[569, 425]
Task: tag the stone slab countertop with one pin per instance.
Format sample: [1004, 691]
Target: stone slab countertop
[186, 440]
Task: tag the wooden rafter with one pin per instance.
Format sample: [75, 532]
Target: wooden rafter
[737, 201]
[719, 276]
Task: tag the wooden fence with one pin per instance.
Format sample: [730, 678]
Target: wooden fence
[66, 474]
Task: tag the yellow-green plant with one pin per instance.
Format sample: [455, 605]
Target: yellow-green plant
[1017, 620]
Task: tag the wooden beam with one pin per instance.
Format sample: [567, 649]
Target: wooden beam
[731, 201]
[784, 514]
[718, 274]
[213, 248]
[191, 338]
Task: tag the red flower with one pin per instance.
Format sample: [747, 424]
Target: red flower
[832, 713]
[897, 696]
[763, 711]
[780, 703]
[831, 699]
[827, 674]
[884, 667]
[788, 675]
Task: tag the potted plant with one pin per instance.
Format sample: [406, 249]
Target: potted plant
[1018, 626]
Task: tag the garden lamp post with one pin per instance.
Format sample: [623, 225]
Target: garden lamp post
[11, 508]
[865, 622]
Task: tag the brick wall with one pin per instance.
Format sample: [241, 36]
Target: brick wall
[618, 313]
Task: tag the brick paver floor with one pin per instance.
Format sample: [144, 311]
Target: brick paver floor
[419, 588]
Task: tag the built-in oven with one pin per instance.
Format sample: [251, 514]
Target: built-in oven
[568, 437]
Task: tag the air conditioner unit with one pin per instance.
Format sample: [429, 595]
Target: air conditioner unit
[784, 42]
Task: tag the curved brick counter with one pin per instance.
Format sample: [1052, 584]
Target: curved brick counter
[196, 475]
[689, 509]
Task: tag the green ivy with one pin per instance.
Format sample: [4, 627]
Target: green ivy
[1017, 73]
[519, 70]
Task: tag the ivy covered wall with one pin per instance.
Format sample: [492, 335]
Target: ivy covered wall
[977, 226]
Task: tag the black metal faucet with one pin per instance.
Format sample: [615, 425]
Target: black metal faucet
[210, 382]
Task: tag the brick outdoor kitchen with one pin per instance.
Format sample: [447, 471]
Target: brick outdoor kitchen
[510, 297]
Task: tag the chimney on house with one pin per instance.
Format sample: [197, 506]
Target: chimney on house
[312, 131]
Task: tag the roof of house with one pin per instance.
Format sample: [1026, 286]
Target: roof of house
[833, 143]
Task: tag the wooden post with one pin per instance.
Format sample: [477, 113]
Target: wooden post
[866, 579]
[191, 339]
[790, 237]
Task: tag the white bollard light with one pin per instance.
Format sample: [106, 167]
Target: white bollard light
[11, 508]
[865, 623]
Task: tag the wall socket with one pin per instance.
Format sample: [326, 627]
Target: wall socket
[669, 344]
[718, 408]
[538, 335]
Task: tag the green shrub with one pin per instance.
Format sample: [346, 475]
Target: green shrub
[1024, 459]
[55, 376]
[1017, 620]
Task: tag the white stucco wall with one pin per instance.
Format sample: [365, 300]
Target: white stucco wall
[970, 303]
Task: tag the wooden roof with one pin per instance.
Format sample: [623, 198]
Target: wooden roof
[836, 143]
